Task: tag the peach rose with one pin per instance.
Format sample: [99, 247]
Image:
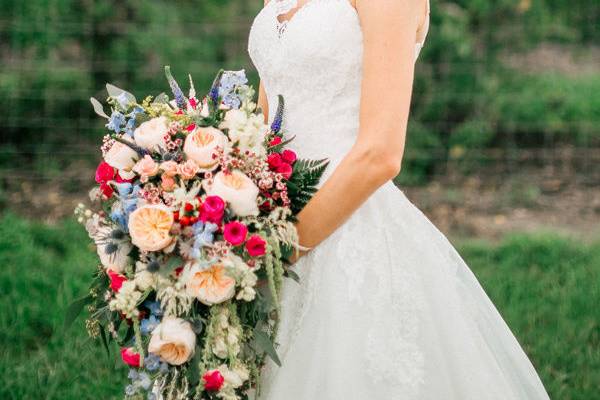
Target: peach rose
[238, 190]
[201, 146]
[151, 134]
[167, 183]
[146, 168]
[188, 169]
[211, 285]
[169, 168]
[173, 340]
[121, 156]
[149, 227]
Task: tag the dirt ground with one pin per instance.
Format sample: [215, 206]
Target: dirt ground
[484, 205]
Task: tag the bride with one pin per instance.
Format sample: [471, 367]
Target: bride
[386, 308]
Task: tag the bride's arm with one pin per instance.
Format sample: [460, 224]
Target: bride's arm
[389, 31]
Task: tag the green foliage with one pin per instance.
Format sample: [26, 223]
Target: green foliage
[302, 185]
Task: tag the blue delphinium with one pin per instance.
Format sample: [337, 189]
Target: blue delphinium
[130, 125]
[147, 325]
[204, 234]
[116, 121]
[154, 307]
[229, 82]
[128, 194]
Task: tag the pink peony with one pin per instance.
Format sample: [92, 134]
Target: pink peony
[285, 170]
[188, 169]
[274, 160]
[116, 280]
[130, 357]
[235, 233]
[213, 380]
[212, 210]
[104, 172]
[289, 156]
[256, 246]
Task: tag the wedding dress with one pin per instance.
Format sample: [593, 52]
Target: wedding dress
[385, 307]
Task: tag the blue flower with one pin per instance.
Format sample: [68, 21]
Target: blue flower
[119, 217]
[123, 100]
[152, 362]
[204, 234]
[231, 100]
[130, 390]
[130, 125]
[154, 307]
[148, 325]
[116, 121]
[144, 381]
[133, 374]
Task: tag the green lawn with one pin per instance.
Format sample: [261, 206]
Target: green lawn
[547, 288]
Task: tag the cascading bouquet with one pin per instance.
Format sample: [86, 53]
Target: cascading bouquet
[198, 199]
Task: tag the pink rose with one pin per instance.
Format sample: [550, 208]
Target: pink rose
[213, 380]
[188, 169]
[169, 168]
[274, 160]
[151, 134]
[256, 246]
[289, 156]
[104, 172]
[238, 190]
[121, 156]
[285, 170]
[146, 168]
[235, 233]
[212, 210]
[130, 357]
[116, 280]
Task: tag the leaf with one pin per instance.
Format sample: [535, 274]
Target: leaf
[262, 340]
[171, 264]
[162, 98]
[292, 274]
[114, 91]
[98, 108]
[104, 341]
[75, 309]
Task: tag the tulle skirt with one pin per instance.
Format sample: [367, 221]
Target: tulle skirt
[387, 309]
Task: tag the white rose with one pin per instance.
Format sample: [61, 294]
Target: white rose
[116, 261]
[151, 134]
[121, 156]
[201, 146]
[173, 340]
[238, 190]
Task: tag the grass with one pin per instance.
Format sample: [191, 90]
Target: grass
[547, 288]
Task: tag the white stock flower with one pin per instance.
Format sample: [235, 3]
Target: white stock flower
[248, 131]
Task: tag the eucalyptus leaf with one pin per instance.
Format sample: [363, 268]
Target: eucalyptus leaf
[161, 99]
[75, 309]
[264, 343]
[114, 91]
[98, 108]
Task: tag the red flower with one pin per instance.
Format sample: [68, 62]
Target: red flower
[285, 170]
[212, 210]
[289, 156]
[256, 246]
[104, 172]
[106, 189]
[275, 141]
[213, 380]
[130, 357]
[116, 280]
[193, 102]
[235, 233]
[274, 161]
[190, 127]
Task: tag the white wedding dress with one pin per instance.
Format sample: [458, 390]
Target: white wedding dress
[386, 308]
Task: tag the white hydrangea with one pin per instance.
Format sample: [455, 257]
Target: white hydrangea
[126, 300]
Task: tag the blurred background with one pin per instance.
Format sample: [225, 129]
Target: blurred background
[503, 154]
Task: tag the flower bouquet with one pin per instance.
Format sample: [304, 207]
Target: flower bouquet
[197, 203]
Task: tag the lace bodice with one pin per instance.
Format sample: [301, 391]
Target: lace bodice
[313, 59]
